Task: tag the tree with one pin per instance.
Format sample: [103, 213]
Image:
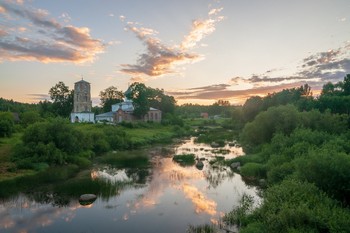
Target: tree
[110, 96]
[346, 85]
[252, 107]
[30, 117]
[140, 94]
[6, 124]
[62, 99]
[145, 97]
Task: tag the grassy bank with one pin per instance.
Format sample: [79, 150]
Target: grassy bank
[7, 167]
[58, 143]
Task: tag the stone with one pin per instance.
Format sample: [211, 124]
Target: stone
[87, 199]
[199, 165]
[235, 165]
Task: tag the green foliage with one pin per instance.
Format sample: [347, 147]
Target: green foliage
[13, 106]
[48, 142]
[125, 160]
[172, 119]
[145, 97]
[251, 108]
[282, 119]
[295, 206]
[328, 169]
[185, 159]
[239, 214]
[214, 135]
[30, 117]
[254, 105]
[7, 126]
[110, 96]
[62, 99]
[206, 228]
[253, 170]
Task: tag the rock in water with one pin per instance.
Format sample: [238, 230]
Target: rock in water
[199, 165]
[87, 199]
[235, 165]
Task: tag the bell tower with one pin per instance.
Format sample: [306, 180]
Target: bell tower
[82, 103]
[82, 97]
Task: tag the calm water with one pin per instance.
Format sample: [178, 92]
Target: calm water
[165, 198]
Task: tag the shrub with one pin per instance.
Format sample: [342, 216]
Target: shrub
[253, 170]
[6, 124]
[185, 159]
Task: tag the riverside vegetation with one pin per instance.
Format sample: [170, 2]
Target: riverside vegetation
[297, 146]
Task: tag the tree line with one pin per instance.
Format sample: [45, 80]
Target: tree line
[298, 150]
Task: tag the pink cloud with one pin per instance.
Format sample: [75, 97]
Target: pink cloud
[58, 43]
[160, 59]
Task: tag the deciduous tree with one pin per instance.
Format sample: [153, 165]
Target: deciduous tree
[110, 96]
[62, 99]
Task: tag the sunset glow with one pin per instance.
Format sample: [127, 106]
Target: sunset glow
[197, 51]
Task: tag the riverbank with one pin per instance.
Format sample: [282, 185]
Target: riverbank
[7, 167]
[97, 139]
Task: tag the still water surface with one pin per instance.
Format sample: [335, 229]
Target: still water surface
[164, 198]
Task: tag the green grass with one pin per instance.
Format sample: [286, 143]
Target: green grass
[204, 122]
[185, 159]
[146, 136]
[7, 168]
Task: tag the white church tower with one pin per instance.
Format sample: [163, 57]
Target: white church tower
[82, 103]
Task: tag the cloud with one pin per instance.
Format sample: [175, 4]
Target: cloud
[201, 29]
[45, 39]
[267, 79]
[66, 18]
[2, 10]
[214, 93]
[316, 70]
[40, 97]
[160, 59]
[331, 65]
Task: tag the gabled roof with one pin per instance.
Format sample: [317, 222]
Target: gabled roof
[106, 114]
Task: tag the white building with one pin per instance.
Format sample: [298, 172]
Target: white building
[124, 112]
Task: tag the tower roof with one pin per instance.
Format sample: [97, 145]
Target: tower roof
[82, 81]
[128, 91]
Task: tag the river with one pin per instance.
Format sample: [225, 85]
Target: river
[165, 197]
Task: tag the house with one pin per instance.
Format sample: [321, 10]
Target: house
[124, 112]
[204, 115]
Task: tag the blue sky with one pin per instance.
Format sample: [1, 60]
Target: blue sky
[197, 50]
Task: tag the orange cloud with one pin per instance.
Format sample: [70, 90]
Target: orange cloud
[160, 59]
[58, 43]
[200, 201]
[2, 10]
[201, 29]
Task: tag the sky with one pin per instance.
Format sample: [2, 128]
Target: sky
[198, 51]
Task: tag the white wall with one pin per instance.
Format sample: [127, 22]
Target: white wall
[82, 116]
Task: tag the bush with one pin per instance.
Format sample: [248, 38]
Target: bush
[295, 206]
[329, 170]
[282, 119]
[7, 126]
[185, 159]
[253, 170]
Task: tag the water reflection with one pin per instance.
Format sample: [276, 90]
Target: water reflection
[133, 199]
